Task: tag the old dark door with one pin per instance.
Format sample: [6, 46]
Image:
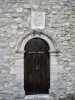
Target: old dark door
[36, 67]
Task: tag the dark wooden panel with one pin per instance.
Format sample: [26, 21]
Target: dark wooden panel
[36, 67]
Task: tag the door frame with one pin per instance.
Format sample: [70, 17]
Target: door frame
[53, 52]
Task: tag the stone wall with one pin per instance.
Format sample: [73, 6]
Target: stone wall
[15, 19]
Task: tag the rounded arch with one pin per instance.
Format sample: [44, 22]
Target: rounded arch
[34, 34]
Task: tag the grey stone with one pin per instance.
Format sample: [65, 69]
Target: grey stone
[15, 22]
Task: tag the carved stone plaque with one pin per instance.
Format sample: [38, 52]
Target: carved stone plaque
[37, 20]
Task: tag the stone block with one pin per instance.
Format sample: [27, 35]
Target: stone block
[18, 20]
[19, 56]
[14, 26]
[37, 20]
[72, 63]
[20, 77]
[53, 61]
[19, 95]
[53, 77]
[19, 62]
[4, 71]
[19, 9]
[13, 70]
[20, 70]
[60, 69]
[68, 68]
[54, 69]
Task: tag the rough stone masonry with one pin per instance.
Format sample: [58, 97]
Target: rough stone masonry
[15, 22]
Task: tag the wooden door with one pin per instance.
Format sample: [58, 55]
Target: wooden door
[36, 67]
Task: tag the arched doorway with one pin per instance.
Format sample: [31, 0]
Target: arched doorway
[36, 67]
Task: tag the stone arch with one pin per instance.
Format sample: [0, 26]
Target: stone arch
[25, 38]
[19, 59]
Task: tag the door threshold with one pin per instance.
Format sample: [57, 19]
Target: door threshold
[37, 96]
